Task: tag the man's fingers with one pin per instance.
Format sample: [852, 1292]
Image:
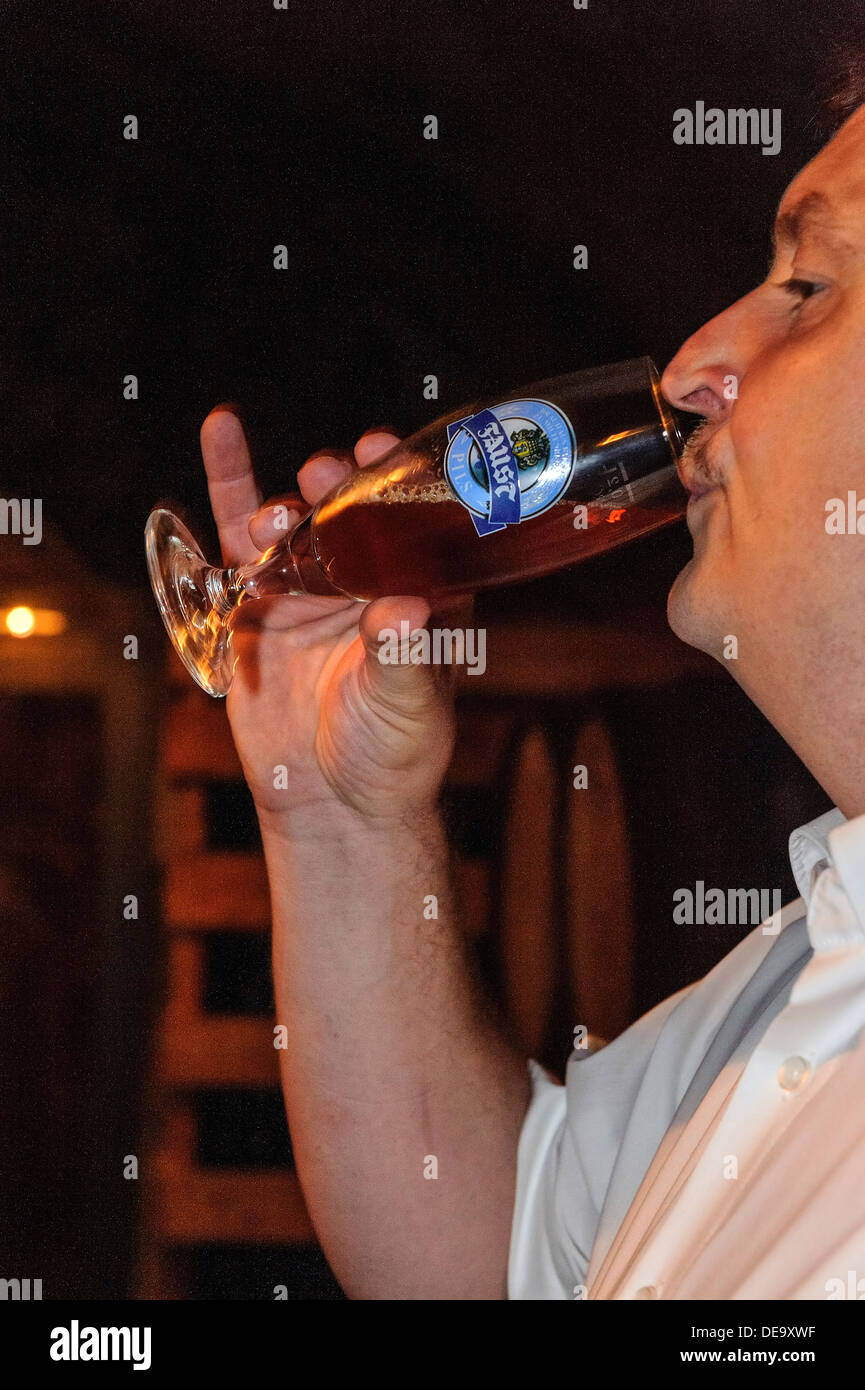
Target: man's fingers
[326, 469]
[322, 472]
[245, 526]
[276, 519]
[234, 495]
[373, 445]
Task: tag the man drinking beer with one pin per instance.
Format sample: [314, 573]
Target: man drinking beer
[618, 1184]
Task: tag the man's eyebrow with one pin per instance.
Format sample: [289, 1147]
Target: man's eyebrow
[812, 210]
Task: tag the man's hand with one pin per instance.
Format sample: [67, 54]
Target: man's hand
[390, 1055]
[309, 694]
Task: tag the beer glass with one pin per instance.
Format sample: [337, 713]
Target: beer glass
[490, 494]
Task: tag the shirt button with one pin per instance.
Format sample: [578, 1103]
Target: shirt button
[793, 1073]
[647, 1291]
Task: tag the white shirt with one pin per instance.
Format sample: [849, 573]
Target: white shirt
[716, 1149]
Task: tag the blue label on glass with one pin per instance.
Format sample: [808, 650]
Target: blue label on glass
[510, 463]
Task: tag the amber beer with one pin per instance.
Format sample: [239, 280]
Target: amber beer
[544, 477]
[496, 492]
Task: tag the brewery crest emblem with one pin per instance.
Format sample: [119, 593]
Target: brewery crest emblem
[510, 462]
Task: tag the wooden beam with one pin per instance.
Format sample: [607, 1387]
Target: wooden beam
[528, 890]
[209, 891]
[196, 738]
[561, 660]
[598, 887]
[197, 1205]
[218, 1052]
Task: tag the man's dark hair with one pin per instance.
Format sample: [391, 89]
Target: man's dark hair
[842, 86]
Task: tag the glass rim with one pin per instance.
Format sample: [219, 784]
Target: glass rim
[665, 411]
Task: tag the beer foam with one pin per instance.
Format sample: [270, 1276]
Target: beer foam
[395, 493]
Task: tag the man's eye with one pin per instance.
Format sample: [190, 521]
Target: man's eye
[801, 289]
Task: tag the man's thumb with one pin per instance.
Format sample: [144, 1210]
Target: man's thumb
[393, 632]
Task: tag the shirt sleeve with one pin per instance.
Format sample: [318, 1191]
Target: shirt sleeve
[534, 1267]
[609, 1116]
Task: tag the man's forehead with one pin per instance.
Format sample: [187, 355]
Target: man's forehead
[829, 193]
[800, 210]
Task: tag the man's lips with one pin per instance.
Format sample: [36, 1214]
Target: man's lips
[694, 467]
[693, 482]
[698, 490]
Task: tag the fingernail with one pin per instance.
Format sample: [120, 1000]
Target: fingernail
[382, 429]
[231, 408]
[317, 458]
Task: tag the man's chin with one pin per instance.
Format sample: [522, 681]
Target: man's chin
[686, 614]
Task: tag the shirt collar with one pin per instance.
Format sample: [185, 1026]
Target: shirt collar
[847, 851]
[832, 840]
[809, 844]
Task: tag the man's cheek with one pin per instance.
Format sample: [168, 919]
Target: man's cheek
[796, 503]
[775, 411]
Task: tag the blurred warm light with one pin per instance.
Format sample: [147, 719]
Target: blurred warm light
[22, 621]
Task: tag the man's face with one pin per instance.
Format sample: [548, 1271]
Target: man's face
[763, 467]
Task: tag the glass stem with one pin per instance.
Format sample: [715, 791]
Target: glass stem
[224, 588]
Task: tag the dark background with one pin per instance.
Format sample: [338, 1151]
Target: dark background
[407, 257]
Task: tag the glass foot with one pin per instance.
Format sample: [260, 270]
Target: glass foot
[191, 598]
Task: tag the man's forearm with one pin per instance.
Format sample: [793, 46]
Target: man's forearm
[392, 1069]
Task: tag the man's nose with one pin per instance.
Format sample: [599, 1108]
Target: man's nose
[705, 373]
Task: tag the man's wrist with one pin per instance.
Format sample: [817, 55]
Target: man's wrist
[333, 823]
